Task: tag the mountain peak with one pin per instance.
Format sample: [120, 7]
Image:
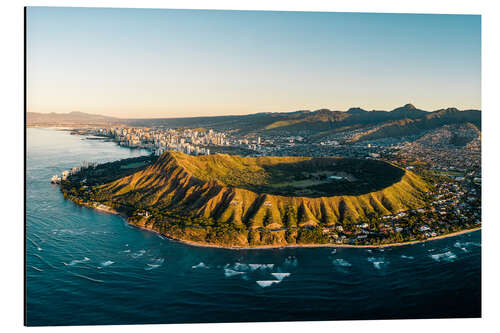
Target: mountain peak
[356, 110]
[409, 106]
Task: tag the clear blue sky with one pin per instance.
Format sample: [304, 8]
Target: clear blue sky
[171, 63]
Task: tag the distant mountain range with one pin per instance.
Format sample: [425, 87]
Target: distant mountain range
[405, 120]
[71, 118]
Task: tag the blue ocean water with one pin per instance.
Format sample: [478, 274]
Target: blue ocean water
[85, 267]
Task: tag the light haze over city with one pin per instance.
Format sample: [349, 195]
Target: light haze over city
[149, 63]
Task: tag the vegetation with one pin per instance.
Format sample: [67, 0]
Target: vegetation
[215, 199]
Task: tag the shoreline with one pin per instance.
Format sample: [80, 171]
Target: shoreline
[110, 210]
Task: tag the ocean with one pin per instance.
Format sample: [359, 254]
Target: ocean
[85, 267]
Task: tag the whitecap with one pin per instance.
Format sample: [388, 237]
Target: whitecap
[341, 262]
[74, 262]
[229, 272]
[334, 251]
[463, 246]
[138, 254]
[107, 263]
[267, 283]
[377, 262]
[151, 266]
[446, 256]
[37, 269]
[239, 266]
[158, 261]
[200, 265]
[407, 257]
[126, 251]
[280, 276]
[254, 267]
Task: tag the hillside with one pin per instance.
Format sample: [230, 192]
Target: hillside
[402, 121]
[242, 201]
[429, 121]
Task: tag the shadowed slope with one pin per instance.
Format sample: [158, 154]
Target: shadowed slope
[218, 189]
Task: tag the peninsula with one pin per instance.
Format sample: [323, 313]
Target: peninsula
[240, 202]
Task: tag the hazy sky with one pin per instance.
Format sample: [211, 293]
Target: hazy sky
[172, 63]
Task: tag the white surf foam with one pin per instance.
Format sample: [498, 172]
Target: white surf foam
[377, 262]
[200, 265]
[151, 266]
[407, 257]
[334, 251]
[158, 261]
[280, 276]
[75, 262]
[138, 254]
[229, 272]
[255, 267]
[464, 246]
[267, 283]
[240, 267]
[446, 256]
[107, 263]
[341, 262]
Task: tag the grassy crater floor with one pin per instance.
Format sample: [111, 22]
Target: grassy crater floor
[294, 176]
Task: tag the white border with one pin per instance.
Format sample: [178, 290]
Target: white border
[12, 166]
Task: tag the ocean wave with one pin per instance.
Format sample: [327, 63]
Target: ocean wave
[75, 262]
[229, 272]
[151, 266]
[334, 251]
[37, 269]
[158, 261]
[407, 257]
[341, 263]
[464, 246]
[280, 276]
[138, 254]
[255, 267]
[267, 283]
[446, 256]
[75, 232]
[239, 266]
[377, 262]
[107, 263]
[200, 265]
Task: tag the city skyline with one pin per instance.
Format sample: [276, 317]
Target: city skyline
[150, 63]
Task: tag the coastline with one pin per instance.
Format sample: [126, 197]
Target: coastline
[109, 210]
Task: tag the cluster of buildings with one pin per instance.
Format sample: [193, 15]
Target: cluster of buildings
[186, 140]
